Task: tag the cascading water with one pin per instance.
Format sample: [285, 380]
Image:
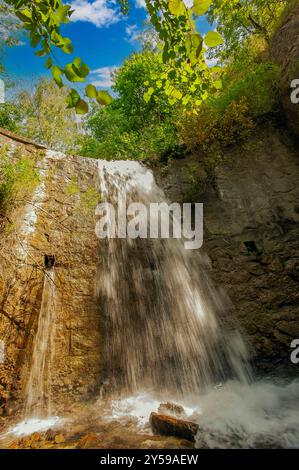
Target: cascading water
[38, 392]
[166, 338]
[163, 315]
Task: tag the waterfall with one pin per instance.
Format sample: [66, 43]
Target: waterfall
[164, 326]
[38, 392]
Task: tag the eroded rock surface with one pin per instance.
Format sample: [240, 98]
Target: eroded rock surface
[285, 51]
[251, 237]
[56, 221]
[170, 426]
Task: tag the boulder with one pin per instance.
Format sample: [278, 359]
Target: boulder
[172, 409]
[171, 426]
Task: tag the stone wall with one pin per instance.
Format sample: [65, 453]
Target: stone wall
[285, 51]
[56, 220]
[251, 224]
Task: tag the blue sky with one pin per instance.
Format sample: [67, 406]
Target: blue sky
[102, 37]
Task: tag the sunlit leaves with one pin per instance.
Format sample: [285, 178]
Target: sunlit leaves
[62, 13]
[104, 98]
[213, 39]
[91, 91]
[73, 98]
[48, 63]
[43, 20]
[200, 7]
[34, 38]
[56, 73]
[80, 69]
[148, 94]
[187, 76]
[81, 107]
[176, 7]
[182, 47]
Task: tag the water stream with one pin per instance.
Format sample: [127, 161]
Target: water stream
[163, 316]
[38, 391]
[169, 336]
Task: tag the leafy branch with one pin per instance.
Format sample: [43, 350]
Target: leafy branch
[43, 20]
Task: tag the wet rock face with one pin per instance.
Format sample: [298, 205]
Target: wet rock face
[285, 51]
[55, 225]
[252, 240]
[169, 426]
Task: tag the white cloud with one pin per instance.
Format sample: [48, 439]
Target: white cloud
[101, 13]
[211, 62]
[189, 3]
[102, 77]
[133, 33]
[140, 4]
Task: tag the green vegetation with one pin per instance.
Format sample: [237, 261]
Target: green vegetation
[86, 201]
[18, 178]
[238, 20]
[130, 127]
[182, 45]
[167, 100]
[45, 117]
[154, 129]
[249, 94]
[10, 116]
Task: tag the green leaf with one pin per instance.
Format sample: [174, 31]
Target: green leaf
[91, 91]
[217, 84]
[200, 7]
[66, 46]
[146, 97]
[80, 69]
[34, 38]
[48, 63]
[56, 72]
[104, 98]
[56, 38]
[24, 15]
[176, 7]
[62, 13]
[194, 43]
[81, 107]
[71, 74]
[213, 39]
[73, 98]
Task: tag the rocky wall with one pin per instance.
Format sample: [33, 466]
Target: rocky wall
[251, 224]
[285, 51]
[56, 221]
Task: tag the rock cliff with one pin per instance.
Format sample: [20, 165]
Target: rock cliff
[285, 51]
[55, 223]
[251, 223]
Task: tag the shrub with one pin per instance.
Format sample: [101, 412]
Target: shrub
[210, 131]
[10, 116]
[249, 93]
[18, 178]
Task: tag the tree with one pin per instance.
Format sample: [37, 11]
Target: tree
[10, 116]
[238, 19]
[10, 26]
[183, 49]
[131, 127]
[45, 117]
[132, 81]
